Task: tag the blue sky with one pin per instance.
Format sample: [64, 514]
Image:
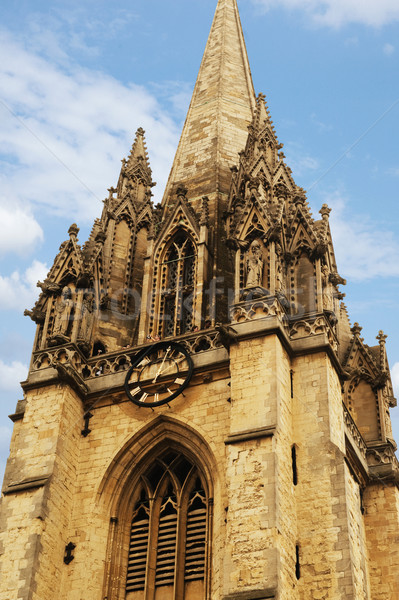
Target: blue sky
[78, 78]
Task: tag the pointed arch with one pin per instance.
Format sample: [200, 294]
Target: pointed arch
[175, 276]
[364, 407]
[159, 491]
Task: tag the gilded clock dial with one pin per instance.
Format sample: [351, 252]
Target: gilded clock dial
[158, 374]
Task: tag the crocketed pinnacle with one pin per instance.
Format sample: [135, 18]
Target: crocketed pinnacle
[138, 155]
[220, 111]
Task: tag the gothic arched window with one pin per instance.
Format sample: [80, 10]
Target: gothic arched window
[168, 538]
[178, 284]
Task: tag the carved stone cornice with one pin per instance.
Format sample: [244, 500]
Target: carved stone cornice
[258, 308]
[312, 325]
[383, 464]
[69, 375]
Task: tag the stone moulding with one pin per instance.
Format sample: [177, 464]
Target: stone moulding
[27, 484]
[250, 434]
[254, 595]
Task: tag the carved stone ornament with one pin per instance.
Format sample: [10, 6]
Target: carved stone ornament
[48, 287]
[254, 265]
[35, 314]
[87, 316]
[62, 315]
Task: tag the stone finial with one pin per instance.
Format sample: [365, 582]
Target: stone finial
[281, 190]
[181, 192]
[254, 184]
[299, 200]
[325, 211]
[100, 237]
[73, 231]
[356, 329]
[381, 337]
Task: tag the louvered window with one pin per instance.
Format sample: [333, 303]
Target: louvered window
[168, 540]
[196, 536]
[138, 549]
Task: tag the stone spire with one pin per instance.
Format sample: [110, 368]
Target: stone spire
[137, 167]
[220, 111]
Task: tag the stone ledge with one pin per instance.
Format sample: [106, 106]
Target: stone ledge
[254, 595]
[19, 411]
[251, 434]
[26, 484]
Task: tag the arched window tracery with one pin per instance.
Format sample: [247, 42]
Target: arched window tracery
[178, 287]
[168, 536]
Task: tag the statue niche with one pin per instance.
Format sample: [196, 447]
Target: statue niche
[254, 270]
[87, 316]
[63, 317]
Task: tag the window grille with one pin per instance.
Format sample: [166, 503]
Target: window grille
[178, 285]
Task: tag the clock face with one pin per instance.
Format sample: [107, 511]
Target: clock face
[158, 374]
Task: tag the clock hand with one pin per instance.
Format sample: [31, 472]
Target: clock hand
[175, 362]
[162, 364]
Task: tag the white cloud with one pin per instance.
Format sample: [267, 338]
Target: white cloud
[20, 231]
[363, 251]
[395, 378]
[18, 291]
[298, 160]
[66, 129]
[388, 49]
[11, 375]
[335, 13]
[321, 127]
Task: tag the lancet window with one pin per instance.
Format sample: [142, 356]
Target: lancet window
[168, 538]
[178, 285]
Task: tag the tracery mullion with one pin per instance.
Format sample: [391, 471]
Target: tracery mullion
[181, 534]
[179, 295]
[153, 539]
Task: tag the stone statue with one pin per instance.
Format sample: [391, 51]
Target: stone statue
[254, 265]
[63, 310]
[87, 315]
[328, 300]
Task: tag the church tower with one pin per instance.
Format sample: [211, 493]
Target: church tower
[200, 420]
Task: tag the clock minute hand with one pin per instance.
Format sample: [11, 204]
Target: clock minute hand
[161, 367]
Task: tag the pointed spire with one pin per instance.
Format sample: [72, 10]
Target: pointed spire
[138, 155]
[135, 172]
[220, 111]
